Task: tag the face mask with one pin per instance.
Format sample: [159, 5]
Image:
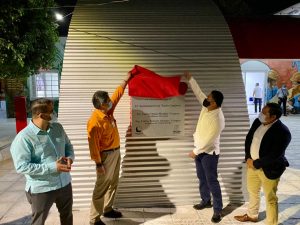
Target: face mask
[110, 105]
[53, 117]
[262, 117]
[206, 103]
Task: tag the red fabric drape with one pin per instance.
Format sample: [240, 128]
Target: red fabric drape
[146, 83]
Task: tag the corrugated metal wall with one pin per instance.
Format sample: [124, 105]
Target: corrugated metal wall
[167, 36]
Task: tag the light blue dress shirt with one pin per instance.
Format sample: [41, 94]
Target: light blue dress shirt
[35, 152]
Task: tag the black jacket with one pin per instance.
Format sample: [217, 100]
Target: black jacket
[272, 149]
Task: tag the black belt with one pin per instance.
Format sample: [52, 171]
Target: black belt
[111, 150]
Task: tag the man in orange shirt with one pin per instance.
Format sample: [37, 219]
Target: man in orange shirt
[104, 145]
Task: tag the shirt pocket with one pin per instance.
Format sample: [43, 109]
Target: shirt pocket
[59, 143]
[45, 153]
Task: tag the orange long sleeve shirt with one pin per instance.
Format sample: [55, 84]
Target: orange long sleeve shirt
[102, 129]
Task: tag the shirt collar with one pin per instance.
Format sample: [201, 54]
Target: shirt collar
[100, 113]
[213, 111]
[270, 124]
[36, 129]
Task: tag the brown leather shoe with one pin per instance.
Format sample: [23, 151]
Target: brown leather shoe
[246, 218]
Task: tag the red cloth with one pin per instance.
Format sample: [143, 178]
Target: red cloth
[146, 83]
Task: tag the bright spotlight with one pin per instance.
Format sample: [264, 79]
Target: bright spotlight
[58, 16]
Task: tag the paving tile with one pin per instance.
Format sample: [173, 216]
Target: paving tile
[4, 207]
[131, 209]
[7, 165]
[20, 209]
[10, 196]
[154, 222]
[184, 212]
[10, 176]
[159, 210]
[5, 185]
[52, 221]
[14, 220]
[18, 186]
[186, 221]
[125, 221]
[149, 216]
[81, 217]
[132, 214]
[289, 199]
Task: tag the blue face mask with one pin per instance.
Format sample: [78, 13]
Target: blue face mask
[110, 105]
[53, 117]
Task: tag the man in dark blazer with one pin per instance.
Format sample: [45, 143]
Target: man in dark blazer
[265, 147]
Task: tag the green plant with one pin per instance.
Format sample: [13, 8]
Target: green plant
[28, 33]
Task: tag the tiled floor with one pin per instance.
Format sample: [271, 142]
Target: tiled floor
[15, 210]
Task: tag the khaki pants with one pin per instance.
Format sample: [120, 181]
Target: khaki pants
[255, 180]
[106, 185]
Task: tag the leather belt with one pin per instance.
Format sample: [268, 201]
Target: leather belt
[111, 150]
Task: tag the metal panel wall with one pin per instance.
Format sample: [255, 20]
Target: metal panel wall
[169, 37]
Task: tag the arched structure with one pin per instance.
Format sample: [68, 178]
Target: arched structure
[169, 37]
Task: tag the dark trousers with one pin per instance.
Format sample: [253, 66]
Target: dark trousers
[257, 101]
[206, 166]
[42, 202]
[282, 101]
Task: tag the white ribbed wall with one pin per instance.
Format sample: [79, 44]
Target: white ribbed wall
[168, 37]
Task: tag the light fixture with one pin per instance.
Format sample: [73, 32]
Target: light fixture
[59, 16]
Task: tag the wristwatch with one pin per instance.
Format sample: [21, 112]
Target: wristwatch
[98, 165]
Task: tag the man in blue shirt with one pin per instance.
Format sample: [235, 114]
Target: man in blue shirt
[43, 152]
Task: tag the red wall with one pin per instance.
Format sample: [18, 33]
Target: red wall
[275, 37]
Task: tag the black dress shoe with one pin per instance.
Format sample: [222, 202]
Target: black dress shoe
[100, 222]
[113, 214]
[216, 218]
[202, 205]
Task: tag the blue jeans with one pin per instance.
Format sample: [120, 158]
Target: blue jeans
[206, 166]
[257, 101]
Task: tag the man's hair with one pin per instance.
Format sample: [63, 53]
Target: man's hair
[218, 97]
[274, 109]
[40, 105]
[99, 98]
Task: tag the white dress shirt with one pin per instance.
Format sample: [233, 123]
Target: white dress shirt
[256, 141]
[209, 127]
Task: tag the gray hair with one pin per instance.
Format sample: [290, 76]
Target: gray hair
[99, 98]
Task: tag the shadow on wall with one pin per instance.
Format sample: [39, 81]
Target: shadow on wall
[142, 168]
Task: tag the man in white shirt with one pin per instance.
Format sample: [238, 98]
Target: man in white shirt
[257, 95]
[207, 148]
